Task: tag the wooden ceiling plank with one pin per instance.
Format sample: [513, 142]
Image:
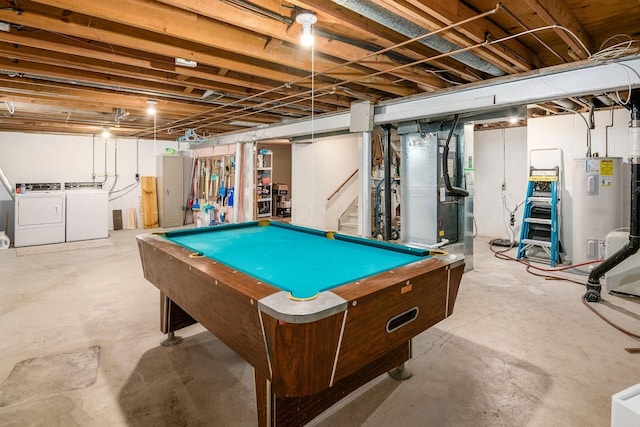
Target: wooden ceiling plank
[473, 33]
[272, 45]
[279, 30]
[44, 89]
[354, 23]
[556, 12]
[111, 57]
[109, 69]
[173, 22]
[35, 20]
[331, 47]
[451, 12]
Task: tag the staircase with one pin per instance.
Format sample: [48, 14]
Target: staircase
[540, 227]
[348, 221]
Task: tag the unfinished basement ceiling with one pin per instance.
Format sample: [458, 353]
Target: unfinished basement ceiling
[69, 66]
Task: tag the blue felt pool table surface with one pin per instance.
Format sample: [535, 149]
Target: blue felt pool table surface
[295, 259]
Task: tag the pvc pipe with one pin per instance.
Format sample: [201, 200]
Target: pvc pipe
[364, 205]
[237, 191]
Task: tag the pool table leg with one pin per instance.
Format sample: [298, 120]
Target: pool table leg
[274, 410]
[400, 373]
[171, 339]
[172, 318]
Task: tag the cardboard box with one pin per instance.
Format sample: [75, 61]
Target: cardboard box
[280, 189]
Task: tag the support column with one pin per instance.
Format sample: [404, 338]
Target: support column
[364, 205]
[387, 182]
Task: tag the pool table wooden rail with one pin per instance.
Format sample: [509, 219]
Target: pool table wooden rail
[302, 368]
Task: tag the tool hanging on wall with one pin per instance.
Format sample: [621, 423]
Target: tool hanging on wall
[207, 179]
[223, 190]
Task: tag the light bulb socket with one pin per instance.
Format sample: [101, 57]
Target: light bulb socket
[306, 19]
[152, 106]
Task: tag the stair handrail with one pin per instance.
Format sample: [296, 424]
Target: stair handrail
[342, 185]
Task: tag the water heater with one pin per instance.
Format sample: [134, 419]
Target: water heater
[597, 204]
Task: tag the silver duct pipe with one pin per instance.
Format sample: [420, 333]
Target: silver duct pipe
[7, 185]
[409, 29]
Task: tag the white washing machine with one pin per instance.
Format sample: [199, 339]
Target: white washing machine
[39, 214]
[87, 211]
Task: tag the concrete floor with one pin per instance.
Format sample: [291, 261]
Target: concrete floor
[80, 346]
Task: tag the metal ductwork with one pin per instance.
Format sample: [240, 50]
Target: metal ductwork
[409, 29]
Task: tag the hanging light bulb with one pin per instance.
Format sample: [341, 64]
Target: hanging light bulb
[105, 132]
[306, 19]
[152, 106]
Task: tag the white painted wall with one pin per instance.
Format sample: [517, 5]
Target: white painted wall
[566, 132]
[318, 169]
[500, 156]
[26, 157]
[569, 133]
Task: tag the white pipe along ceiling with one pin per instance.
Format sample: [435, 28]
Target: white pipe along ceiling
[506, 92]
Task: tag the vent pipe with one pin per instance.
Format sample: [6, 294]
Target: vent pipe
[593, 284]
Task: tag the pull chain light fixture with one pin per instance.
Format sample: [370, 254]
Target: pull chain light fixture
[306, 19]
[152, 110]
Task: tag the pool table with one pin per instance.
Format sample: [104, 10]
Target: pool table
[317, 314]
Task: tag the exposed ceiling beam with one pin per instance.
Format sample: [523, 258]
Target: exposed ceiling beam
[556, 12]
[181, 24]
[279, 30]
[336, 15]
[435, 14]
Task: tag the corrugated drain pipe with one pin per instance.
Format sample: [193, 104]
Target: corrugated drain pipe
[593, 285]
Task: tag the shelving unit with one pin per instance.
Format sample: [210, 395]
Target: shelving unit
[282, 205]
[264, 183]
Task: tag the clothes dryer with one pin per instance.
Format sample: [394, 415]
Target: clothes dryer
[39, 214]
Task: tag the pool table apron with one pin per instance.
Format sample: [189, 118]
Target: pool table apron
[323, 351]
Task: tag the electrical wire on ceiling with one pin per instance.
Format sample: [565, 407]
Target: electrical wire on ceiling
[10, 107]
[626, 47]
[538, 39]
[352, 62]
[620, 49]
[586, 122]
[356, 79]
